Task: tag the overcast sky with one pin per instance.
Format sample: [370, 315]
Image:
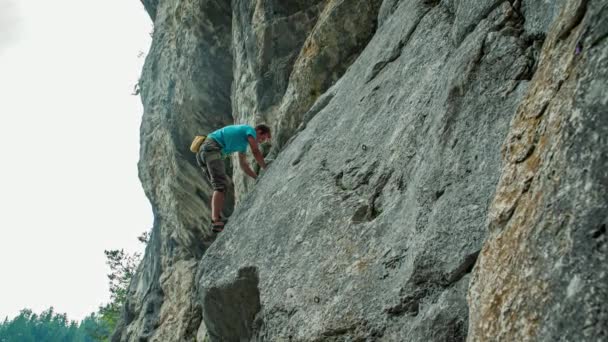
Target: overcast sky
[69, 145]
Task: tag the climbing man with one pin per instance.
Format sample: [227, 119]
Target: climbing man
[223, 142]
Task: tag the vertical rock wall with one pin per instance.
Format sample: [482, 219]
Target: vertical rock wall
[542, 274]
[185, 88]
[368, 222]
[287, 54]
[388, 118]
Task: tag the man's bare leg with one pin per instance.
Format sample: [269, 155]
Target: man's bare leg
[217, 204]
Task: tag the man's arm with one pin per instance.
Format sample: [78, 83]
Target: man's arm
[259, 158]
[245, 166]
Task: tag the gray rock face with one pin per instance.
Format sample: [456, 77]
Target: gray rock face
[402, 131]
[287, 55]
[185, 88]
[239, 300]
[151, 7]
[367, 223]
[267, 37]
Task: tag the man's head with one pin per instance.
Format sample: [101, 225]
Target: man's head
[263, 133]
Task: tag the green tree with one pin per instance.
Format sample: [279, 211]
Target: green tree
[49, 326]
[94, 329]
[122, 269]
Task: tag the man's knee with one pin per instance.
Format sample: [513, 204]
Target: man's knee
[219, 184]
[217, 173]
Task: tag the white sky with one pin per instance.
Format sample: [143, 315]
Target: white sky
[69, 145]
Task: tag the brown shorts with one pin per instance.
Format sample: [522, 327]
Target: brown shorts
[211, 154]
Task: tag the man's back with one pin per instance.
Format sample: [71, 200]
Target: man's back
[233, 138]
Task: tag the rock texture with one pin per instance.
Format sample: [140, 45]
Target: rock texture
[406, 133]
[368, 221]
[542, 274]
[287, 54]
[185, 85]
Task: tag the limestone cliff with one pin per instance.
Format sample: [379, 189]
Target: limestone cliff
[439, 173]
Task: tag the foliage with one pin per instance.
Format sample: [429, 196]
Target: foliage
[50, 326]
[122, 268]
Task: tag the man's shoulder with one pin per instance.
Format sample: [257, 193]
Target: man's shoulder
[247, 130]
[244, 126]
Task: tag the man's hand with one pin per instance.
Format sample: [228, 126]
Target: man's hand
[245, 166]
[255, 149]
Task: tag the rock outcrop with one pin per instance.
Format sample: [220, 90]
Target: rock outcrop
[438, 175]
[185, 85]
[542, 273]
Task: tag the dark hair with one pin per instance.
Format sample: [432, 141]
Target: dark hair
[263, 128]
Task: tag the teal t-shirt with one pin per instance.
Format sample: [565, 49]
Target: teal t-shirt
[233, 138]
